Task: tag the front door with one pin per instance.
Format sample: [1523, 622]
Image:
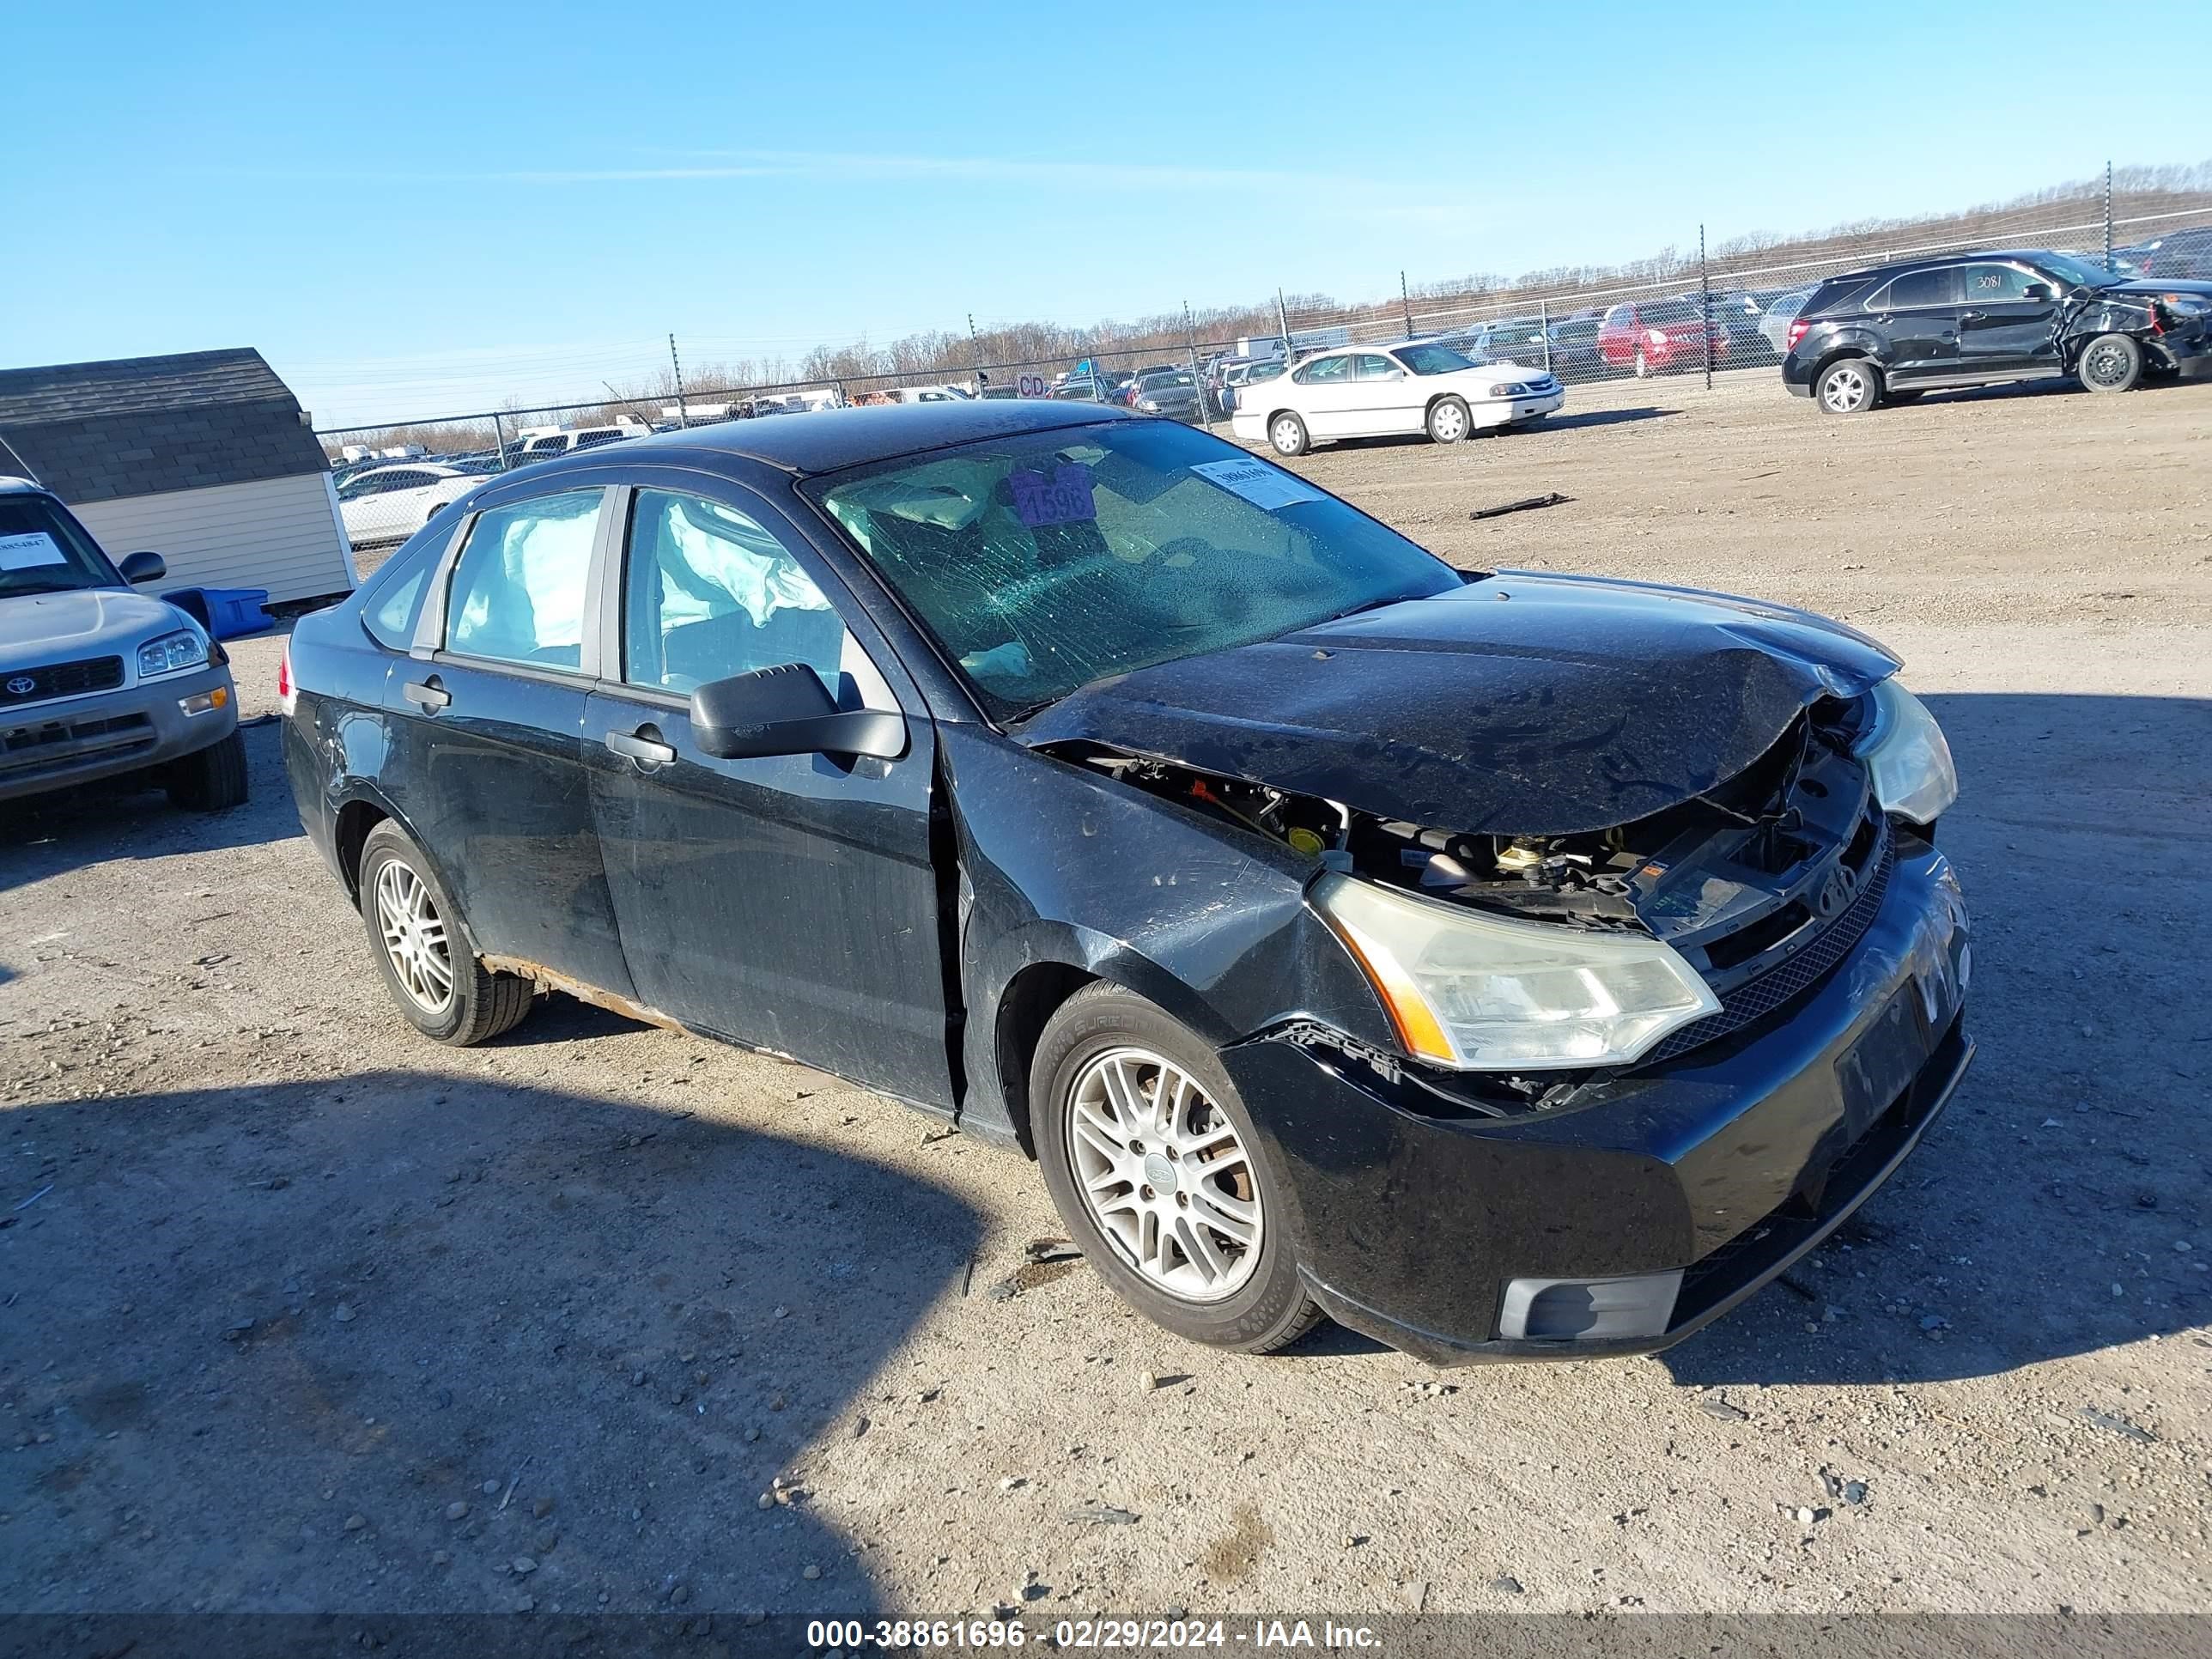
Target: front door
[1383, 403]
[487, 759]
[2007, 315]
[1918, 315]
[789, 901]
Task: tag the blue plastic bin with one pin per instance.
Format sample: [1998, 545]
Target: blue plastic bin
[225, 612]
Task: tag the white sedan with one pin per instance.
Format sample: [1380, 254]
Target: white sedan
[1370, 390]
[390, 503]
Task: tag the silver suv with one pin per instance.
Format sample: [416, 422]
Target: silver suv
[96, 680]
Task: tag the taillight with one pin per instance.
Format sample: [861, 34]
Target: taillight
[1798, 329]
[287, 693]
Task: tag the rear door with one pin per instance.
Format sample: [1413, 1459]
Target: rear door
[1916, 313]
[789, 901]
[489, 712]
[2004, 329]
[1326, 395]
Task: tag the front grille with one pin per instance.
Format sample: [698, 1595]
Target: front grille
[1759, 997]
[59, 679]
[54, 743]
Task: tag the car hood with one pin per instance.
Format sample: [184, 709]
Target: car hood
[1521, 704]
[43, 628]
[2153, 285]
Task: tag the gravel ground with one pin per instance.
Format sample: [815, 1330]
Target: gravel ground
[298, 1312]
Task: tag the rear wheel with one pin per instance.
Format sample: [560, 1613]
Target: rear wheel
[1448, 421]
[1152, 1161]
[429, 965]
[1288, 434]
[2110, 362]
[213, 780]
[1848, 386]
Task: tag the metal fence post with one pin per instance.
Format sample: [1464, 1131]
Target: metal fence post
[2108, 215]
[1283, 318]
[1705, 302]
[499, 439]
[1405, 300]
[1544, 322]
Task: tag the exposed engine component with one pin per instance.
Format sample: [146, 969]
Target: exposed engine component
[1723, 863]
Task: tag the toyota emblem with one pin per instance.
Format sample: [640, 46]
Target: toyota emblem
[22, 686]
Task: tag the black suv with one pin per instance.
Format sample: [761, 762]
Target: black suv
[1961, 320]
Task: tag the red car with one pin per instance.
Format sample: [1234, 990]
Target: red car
[1648, 336]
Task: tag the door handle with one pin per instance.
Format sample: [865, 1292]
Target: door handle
[638, 747]
[1970, 316]
[429, 694]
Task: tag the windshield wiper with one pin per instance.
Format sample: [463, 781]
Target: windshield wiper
[1373, 605]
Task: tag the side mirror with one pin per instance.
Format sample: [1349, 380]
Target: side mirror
[787, 710]
[2036, 291]
[143, 567]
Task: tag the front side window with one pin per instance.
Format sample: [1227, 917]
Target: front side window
[1996, 284]
[1621, 316]
[1324, 371]
[1048, 560]
[709, 593]
[518, 588]
[42, 550]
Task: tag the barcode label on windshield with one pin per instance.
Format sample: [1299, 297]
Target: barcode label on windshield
[1258, 483]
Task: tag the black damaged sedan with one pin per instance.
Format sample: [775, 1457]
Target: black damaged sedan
[1508, 966]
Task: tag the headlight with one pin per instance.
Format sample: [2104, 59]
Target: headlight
[1479, 993]
[1151, 404]
[186, 648]
[1513, 389]
[1658, 336]
[1904, 750]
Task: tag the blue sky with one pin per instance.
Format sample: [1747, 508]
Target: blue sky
[419, 210]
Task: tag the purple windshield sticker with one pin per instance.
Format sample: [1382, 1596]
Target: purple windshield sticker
[1064, 497]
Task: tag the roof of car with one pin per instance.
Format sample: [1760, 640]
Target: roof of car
[10, 485]
[830, 439]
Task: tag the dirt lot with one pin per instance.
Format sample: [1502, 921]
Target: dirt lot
[298, 1312]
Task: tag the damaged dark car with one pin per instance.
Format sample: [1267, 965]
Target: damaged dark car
[1508, 966]
[1889, 333]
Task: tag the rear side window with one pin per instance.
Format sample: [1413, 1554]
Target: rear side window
[518, 588]
[1917, 288]
[395, 604]
[1324, 371]
[1831, 294]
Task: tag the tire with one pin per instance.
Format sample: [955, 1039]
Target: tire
[1287, 433]
[1448, 421]
[1101, 1064]
[397, 887]
[1850, 385]
[1643, 364]
[2110, 362]
[213, 780]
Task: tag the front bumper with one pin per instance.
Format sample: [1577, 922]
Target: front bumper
[73, 740]
[1727, 1165]
[1511, 412]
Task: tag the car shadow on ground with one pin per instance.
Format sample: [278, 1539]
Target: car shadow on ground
[2059, 1206]
[127, 818]
[1595, 417]
[403, 1341]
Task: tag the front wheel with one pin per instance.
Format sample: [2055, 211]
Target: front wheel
[2111, 362]
[211, 780]
[1448, 421]
[1848, 387]
[428, 965]
[1152, 1161]
[1287, 433]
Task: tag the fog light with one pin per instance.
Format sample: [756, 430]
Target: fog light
[1589, 1310]
[204, 702]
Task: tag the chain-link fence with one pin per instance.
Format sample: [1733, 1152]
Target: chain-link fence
[1715, 308]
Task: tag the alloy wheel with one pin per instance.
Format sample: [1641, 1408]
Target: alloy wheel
[413, 936]
[1847, 388]
[1164, 1175]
